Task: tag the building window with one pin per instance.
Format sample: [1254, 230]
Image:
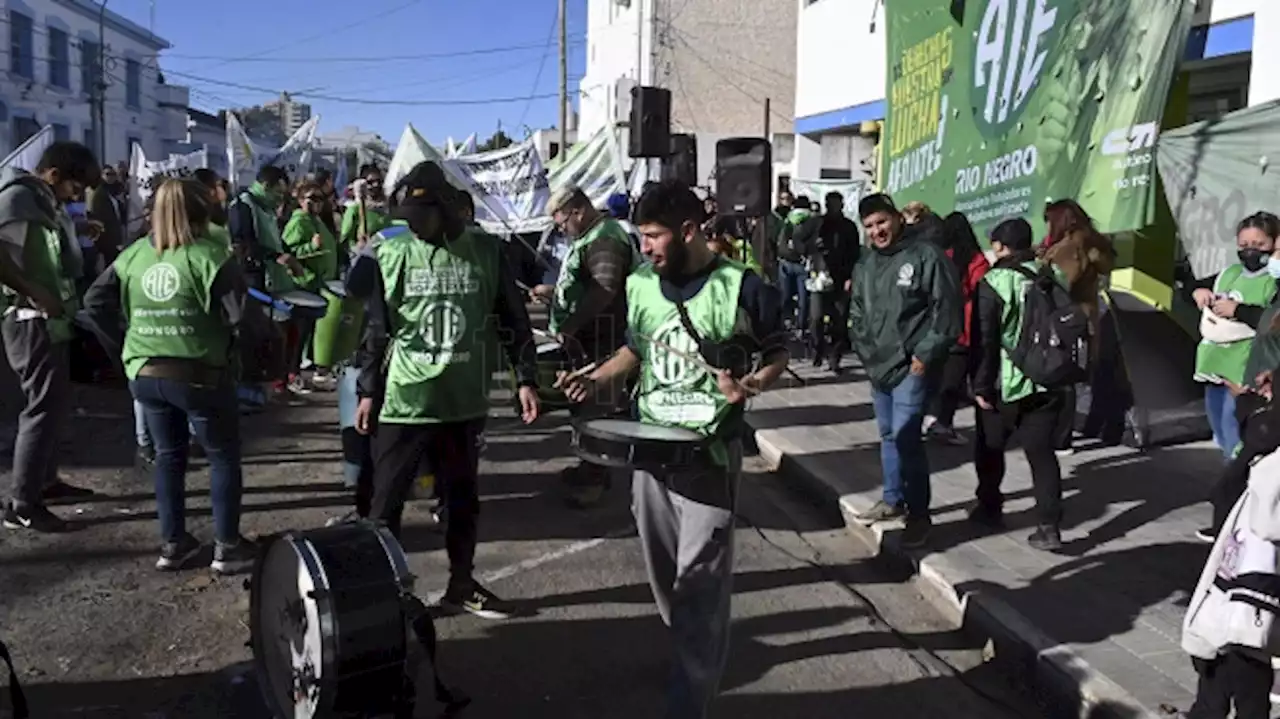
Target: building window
[133, 84]
[61, 133]
[828, 173]
[59, 59]
[21, 55]
[88, 66]
[24, 128]
[552, 150]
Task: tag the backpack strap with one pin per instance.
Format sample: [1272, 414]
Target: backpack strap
[16, 697]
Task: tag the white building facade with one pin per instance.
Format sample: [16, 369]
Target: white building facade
[841, 58]
[50, 70]
[724, 61]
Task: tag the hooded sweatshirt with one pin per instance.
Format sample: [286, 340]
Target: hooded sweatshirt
[26, 198]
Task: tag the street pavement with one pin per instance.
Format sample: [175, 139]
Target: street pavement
[1096, 625]
[96, 632]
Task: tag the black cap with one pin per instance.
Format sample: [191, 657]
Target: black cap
[425, 184]
[879, 202]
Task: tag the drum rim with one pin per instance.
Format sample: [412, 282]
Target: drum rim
[305, 552]
[318, 300]
[590, 428]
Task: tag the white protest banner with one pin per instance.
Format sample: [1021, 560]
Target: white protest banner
[27, 155]
[145, 176]
[510, 185]
[411, 150]
[245, 157]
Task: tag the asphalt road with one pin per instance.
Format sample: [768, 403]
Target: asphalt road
[97, 632]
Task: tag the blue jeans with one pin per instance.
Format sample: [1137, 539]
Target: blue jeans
[140, 426]
[168, 406]
[903, 462]
[1220, 406]
[791, 277]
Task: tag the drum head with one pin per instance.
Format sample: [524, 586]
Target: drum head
[299, 298]
[288, 644]
[548, 348]
[629, 430]
[337, 287]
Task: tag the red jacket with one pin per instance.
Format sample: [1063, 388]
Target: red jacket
[977, 269]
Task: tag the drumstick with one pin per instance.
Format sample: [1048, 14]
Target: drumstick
[691, 358]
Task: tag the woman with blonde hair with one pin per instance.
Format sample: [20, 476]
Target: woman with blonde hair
[183, 305]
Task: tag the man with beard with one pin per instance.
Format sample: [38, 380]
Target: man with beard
[107, 207]
[430, 284]
[588, 309]
[904, 317]
[686, 518]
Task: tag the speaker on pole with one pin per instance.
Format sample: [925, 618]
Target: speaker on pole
[650, 122]
[744, 173]
[682, 163]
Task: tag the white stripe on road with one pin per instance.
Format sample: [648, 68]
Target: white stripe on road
[511, 570]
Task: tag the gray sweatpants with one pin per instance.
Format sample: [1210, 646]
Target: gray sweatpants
[44, 373]
[686, 533]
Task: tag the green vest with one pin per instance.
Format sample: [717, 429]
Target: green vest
[168, 303]
[42, 262]
[268, 233]
[321, 265]
[1216, 362]
[438, 299]
[1011, 287]
[571, 285]
[375, 220]
[674, 392]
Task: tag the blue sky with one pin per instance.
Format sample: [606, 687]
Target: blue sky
[474, 44]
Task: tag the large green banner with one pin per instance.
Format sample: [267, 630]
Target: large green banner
[1030, 101]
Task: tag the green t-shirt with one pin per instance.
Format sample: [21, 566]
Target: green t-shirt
[438, 299]
[674, 392]
[1217, 362]
[320, 265]
[168, 304]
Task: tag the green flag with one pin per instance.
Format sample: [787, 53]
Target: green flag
[1030, 101]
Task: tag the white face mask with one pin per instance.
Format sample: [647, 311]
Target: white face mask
[1273, 267]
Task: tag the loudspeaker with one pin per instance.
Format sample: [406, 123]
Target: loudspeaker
[744, 172]
[650, 122]
[682, 163]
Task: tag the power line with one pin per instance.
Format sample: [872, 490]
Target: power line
[387, 58]
[716, 71]
[542, 65]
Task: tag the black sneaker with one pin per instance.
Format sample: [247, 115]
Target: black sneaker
[233, 558]
[916, 533]
[175, 555]
[63, 491]
[881, 512]
[36, 518]
[987, 516]
[1046, 538]
[1208, 535]
[476, 600]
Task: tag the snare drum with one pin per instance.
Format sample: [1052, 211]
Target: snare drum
[328, 622]
[292, 304]
[337, 335]
[628, 444]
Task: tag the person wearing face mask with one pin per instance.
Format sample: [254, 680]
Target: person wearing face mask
[905, 315]
[40, 262]
[588, 309]
[1240, 293]
[427, 282]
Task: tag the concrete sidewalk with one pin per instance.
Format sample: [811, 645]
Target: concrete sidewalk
[1094, 629]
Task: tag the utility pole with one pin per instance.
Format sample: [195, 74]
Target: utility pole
[767, 102]
[100, 87]
[564, 80]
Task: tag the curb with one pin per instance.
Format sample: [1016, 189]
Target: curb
[1059, 679]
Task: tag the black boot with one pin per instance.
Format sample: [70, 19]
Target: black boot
[1046, 538]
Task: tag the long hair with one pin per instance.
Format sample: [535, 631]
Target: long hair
[1066, 216]
[181, 214]
[958, 236]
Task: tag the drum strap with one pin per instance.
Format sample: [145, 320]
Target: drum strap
[733, 355]
[425, 631]
[16, 697]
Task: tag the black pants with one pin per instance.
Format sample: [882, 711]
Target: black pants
[1034, 418]
[453, 451]
[1233, 678]
[828, 324]
[357, 449]
[1064, 429]
[951, 386]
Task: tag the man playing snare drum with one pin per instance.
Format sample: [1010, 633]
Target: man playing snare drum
[692, 511]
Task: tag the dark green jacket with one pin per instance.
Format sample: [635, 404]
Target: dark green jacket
[1264, 355]
[906, 303]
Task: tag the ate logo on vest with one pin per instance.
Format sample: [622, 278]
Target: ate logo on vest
[443, 325]
[672, 370]
[161, 282]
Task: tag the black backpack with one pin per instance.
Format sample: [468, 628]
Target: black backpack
[1053, 345]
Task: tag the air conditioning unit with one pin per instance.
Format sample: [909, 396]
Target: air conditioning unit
[622, 99]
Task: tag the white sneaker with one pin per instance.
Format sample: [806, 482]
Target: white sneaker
[927, 424]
